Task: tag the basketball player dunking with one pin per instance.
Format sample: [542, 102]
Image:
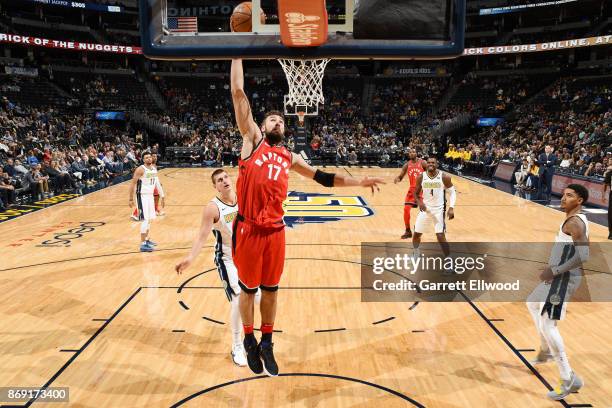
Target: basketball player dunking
[143, 183]
[259, 232]
[430, 195]
[218, 216]
[413, 167]
[560, 279]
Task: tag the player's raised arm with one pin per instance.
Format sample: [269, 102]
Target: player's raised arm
[209, 217]
[448, 185]
[331, 179]
[402, 173]
[244, 116]
[138, 173]
[417, 193]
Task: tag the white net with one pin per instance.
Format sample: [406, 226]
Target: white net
[305, 80]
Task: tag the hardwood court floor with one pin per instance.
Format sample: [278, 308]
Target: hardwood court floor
[111, 323]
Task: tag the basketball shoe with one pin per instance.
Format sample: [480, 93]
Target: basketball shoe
[252, 351]
[267, 355]
[566, 387]
[239, 355]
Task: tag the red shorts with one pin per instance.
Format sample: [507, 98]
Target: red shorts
[259, 256]
[410, 200]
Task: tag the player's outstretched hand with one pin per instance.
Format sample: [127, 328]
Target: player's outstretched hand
[397, 180]
[184, 264]
[451, 213]
[371, 182]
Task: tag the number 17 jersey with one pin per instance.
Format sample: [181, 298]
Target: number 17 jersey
[263, 180]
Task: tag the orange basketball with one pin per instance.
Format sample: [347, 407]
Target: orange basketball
[241, 18]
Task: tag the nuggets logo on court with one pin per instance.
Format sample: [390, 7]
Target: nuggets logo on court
[307, 208]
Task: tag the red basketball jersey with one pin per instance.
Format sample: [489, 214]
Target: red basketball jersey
[414, 171]
[262, 184]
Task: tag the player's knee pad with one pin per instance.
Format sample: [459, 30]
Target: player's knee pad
[144, 226]
[258, 297]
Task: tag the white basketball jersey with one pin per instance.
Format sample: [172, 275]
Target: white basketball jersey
[146, 183]
[561, 250]
[222, 229]
[433, 192]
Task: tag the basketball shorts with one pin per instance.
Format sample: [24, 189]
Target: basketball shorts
[146, 207]
[259, 255]
[554, 297]
[426, 219]
[410, 198]
[229, 276]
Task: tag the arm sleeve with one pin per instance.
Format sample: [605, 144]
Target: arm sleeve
[580, 255]
[453, 196]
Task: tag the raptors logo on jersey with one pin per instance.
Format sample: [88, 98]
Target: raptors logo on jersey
[262, 185]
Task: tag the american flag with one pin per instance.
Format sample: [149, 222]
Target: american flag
[183, 24]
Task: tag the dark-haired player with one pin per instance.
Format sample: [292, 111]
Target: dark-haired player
[430, 195]
[218, 216]
[414, 167]
[560, 279]
[142, 186]
[259, 231]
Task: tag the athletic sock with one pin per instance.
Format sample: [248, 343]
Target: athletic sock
[266, 333]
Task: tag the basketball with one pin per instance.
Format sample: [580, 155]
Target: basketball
[241, 18]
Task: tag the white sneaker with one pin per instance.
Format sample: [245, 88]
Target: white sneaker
[239, 355]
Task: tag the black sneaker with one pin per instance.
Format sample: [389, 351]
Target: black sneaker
[407, 234]
[252, 352]
[269, 363]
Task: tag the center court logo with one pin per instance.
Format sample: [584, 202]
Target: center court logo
[64, 239]
[314, 208]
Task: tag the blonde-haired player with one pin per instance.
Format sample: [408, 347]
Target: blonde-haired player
[218, 216]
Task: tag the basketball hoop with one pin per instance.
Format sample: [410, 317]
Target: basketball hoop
[305, 80]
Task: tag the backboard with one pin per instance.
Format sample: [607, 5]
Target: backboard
[357, 29]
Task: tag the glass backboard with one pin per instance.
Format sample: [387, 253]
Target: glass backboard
[357, 29]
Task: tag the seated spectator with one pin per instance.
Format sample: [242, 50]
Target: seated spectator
[7, 189]
[38, 183]
[32, 159]
[521, 174]
[595, 170]
[566, 162]
[80, 169]
[352, 158]
[9, 168]
[60, 180]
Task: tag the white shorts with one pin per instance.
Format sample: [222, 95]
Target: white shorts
[425, 219]
[558, 303]
[229, 276]
[146, 206]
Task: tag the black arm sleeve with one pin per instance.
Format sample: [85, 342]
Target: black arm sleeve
[325, 179]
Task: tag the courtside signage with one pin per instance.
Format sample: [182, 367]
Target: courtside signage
[19, 210]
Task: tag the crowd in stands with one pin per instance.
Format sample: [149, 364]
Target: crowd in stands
[45, 153]
[578, 133]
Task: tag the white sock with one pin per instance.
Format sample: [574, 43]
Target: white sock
[557, 347]
[236, 321]
[534, 310]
